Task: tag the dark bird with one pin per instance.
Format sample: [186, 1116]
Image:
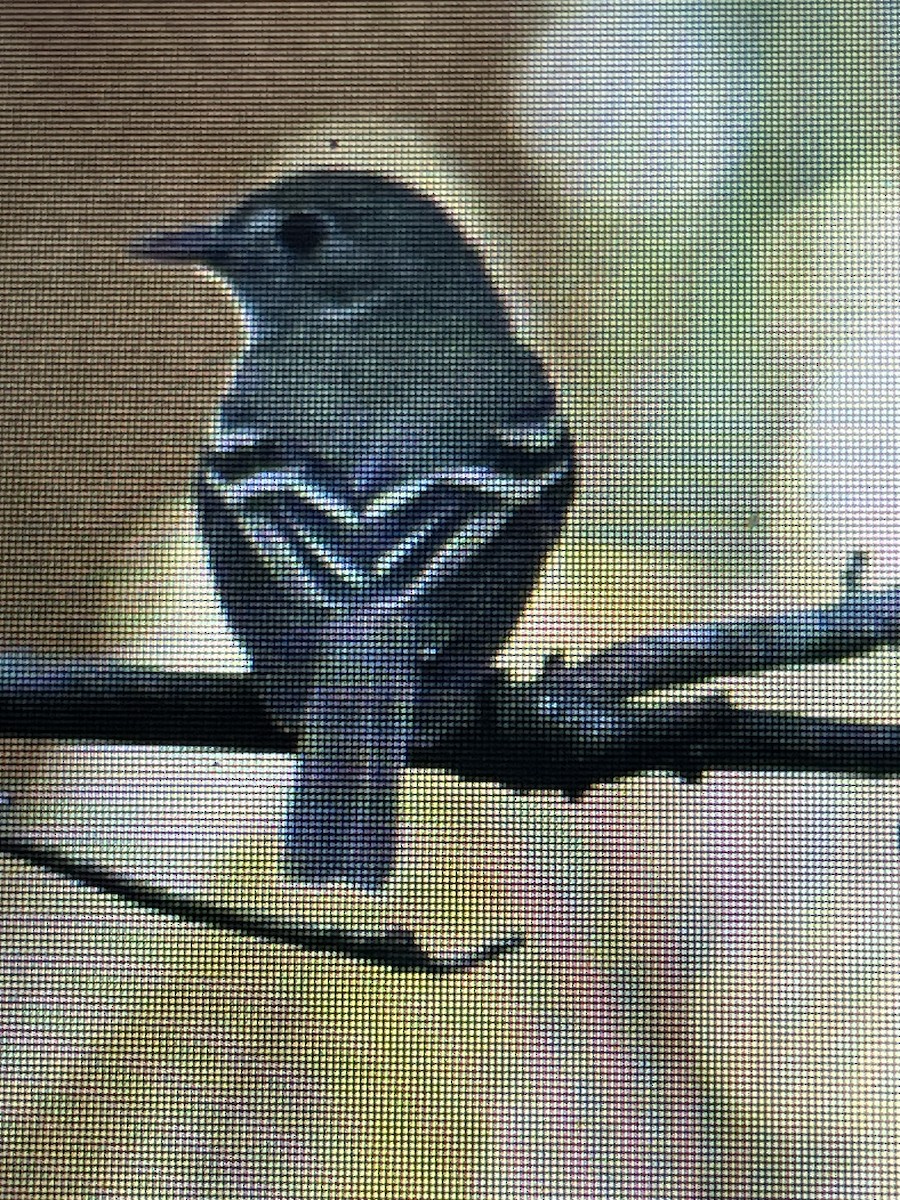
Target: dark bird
[386, 473]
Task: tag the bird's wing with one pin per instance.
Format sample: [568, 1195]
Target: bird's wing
[393, 543]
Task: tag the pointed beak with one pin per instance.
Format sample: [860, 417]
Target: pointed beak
[194, 244]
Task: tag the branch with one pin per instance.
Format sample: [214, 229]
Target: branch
[395, 949]
[568, 730]
[574, 727]
[862, 622]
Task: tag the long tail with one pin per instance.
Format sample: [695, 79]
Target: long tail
[358, 720]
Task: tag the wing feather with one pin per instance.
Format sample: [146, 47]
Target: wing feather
[398, 541]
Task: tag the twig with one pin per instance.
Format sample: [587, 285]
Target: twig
[575, 726]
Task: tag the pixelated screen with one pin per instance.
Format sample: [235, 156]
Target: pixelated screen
[448, 550]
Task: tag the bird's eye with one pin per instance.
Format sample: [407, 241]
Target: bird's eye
[303, 232]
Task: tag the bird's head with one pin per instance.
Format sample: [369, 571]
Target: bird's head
[331, 246]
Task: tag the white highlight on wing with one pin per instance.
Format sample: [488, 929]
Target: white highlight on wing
[332, 561]
[534, 437]
[461, 545]
[291, 483]
[283, 546]
[235, 440]
[387, 561]
[280, 551]
[512, 490]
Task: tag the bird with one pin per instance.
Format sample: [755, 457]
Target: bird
[385, 474]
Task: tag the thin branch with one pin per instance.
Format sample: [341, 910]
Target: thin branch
[575, 726]
[862, 622]
[396, 949]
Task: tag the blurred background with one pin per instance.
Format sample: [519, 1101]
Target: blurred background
[692, 209]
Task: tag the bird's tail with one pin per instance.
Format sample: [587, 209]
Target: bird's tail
[358, 721]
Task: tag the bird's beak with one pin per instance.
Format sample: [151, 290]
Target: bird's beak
[194, 244]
